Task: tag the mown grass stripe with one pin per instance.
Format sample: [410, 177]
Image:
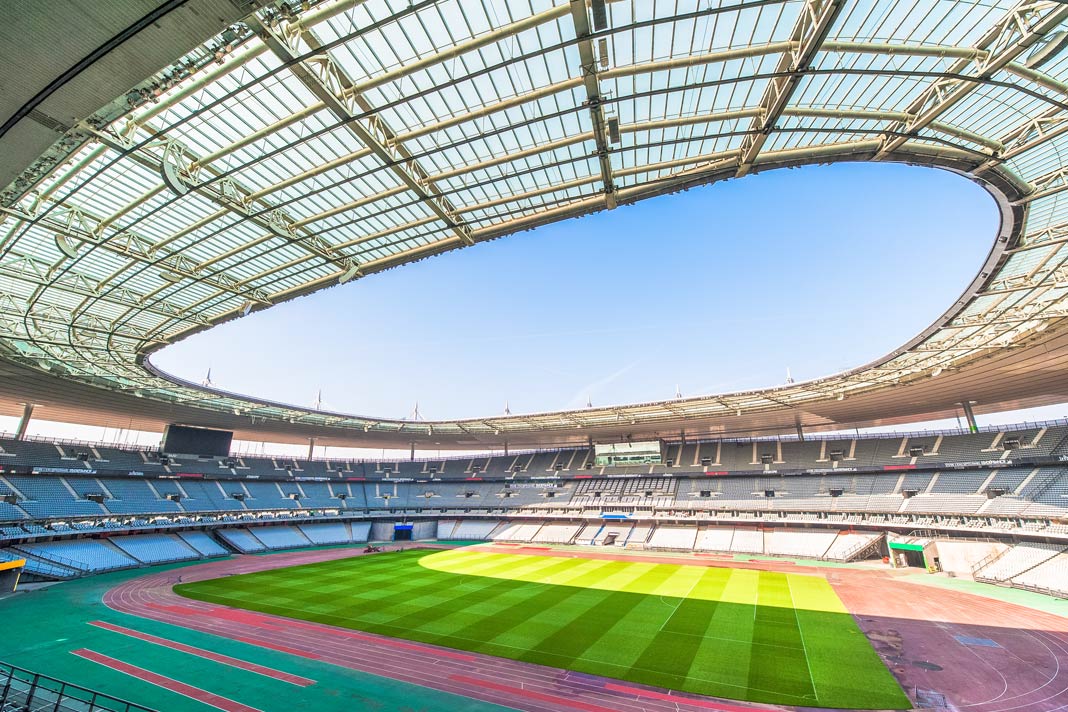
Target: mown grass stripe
[779, 662]
[667, 658]
[572, 640]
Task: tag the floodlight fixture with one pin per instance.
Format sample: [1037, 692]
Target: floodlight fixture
[350, 273]
[67, 245]
[613, 130]
[1047, 49]
[600, 14]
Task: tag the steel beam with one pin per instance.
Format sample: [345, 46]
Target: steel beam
[1044, 186]
[330, 83]
[188, 166]
[1031, 134]
[588, 66]
[808, 35]
[1014, 34]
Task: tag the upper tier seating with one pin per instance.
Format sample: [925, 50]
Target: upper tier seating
[745, 455]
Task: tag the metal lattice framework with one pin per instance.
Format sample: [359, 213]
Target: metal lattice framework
[355, 136]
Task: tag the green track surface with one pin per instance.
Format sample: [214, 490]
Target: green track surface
[736, 633]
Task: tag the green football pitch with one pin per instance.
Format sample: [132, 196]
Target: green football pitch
[738, 633]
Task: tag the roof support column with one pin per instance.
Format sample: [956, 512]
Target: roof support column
[24, 421]
[969, 415]
[311, 448]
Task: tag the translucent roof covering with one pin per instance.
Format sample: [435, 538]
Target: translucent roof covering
[305, 148]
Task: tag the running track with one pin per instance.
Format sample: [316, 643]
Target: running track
[1014, 659]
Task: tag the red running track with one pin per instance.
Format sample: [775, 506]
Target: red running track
[1019, 664]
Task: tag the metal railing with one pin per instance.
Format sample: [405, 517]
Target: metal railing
[22, 689]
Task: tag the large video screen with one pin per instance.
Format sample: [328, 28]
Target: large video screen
[630, 453]
[185, 440]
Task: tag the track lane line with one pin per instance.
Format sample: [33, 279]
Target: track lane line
[557, 701]
[167, 683]
[207, 654]
[668, 697]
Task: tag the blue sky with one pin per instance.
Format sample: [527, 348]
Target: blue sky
[717, 289]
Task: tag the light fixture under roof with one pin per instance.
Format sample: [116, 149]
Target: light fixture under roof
[1047, 49]
[613, 130]
[350, 273]
[67, 245]
[600, 14]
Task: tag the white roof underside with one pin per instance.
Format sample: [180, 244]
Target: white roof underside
[359, 136]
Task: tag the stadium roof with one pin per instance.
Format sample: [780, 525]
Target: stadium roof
[309, 144]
